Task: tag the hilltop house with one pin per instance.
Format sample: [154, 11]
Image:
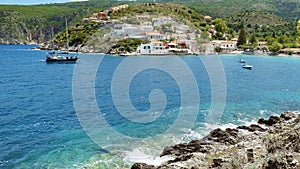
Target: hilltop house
[116, 8]
[103, 15]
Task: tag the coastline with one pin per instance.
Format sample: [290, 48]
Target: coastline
[271, 143]
[196, 54]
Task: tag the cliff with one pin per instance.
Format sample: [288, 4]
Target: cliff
[272, 143]
[21, 24]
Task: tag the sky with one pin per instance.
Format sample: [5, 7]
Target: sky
[33, 2]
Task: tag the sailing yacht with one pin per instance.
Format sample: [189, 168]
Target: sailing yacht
[64, 57]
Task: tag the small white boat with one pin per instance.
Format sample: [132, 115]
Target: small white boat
[246, 66]
[242, 61]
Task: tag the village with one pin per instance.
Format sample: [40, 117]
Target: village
[169, 36]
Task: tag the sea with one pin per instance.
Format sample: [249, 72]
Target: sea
[109, 111]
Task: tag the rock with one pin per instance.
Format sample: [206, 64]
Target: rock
[218, 162]
[289, 158]
[181, 158]
[288, 115]
[274, 147]
[250, 155]
[142, 166]
[252, 128]
[228, 136]
[273, 164]
[272, 120]
[179, 149]
[294, 164]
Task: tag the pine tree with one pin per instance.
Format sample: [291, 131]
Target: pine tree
[242, 38]
[298, 32]
[253, 40]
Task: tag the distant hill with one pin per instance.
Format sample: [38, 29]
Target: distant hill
[288, 9]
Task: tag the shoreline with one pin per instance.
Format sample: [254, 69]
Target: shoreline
[271, 143]
[196, 54]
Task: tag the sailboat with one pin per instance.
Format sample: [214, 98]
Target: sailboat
[63, 57]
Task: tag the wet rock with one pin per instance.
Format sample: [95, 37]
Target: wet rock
[179, 149]
[288, 115]
[252, 128]
[274, 147]
[142, 166]
[271, 121]
[181, 158]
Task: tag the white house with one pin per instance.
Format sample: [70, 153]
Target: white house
[146, 29]
[228, 45]
[225, 45]
[158, 48]
[117, 31]
[130, 30]
[155, 35]
[161, 20]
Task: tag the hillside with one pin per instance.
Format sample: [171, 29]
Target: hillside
[288, 9]
[85, 37]
[261, 23]
[35, 23]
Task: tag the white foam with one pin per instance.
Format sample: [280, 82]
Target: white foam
[138, 156]
[262, 112]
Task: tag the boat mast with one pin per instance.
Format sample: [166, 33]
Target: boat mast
[67, 35]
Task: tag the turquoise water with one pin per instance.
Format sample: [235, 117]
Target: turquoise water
[40, 128]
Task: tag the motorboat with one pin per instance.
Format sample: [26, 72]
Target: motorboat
[246, 66]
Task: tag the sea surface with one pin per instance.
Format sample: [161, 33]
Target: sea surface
[109, 111]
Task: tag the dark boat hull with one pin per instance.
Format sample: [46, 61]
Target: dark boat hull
[64, 60]
[247, 67]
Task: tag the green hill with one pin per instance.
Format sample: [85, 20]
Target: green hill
[24, 24]
[288, 9]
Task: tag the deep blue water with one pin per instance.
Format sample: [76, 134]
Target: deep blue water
[39, 127]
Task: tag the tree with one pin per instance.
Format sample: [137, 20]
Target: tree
[218, 49]
[253, 40]
[298, 32]
[220, 25]
[242, 38]
[275, 47]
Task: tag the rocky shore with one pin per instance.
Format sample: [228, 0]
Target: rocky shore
[270, 144]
